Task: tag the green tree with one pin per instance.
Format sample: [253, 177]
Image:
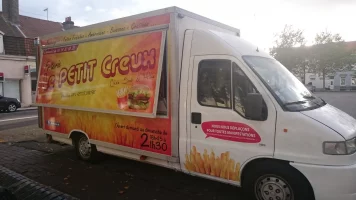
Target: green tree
[330, 54]
[326, 37]
[289, 49]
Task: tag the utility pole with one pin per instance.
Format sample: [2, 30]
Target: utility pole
[46, 10]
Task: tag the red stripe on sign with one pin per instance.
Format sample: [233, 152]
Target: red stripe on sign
[61, 49]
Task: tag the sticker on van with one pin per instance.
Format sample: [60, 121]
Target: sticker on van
[221, 166]
[232, 131]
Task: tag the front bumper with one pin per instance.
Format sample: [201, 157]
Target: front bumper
[330, 182]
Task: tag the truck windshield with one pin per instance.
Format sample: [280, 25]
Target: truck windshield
[285, 87]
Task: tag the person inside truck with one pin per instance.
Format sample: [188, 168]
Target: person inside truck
[242, 87]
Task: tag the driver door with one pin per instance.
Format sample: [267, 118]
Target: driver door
[222, 139]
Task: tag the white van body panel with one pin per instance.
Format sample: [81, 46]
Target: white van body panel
[241, 152]
[300, 139]
[330, 182]
[241, 46]
[183, 105]
[185, 21]
[181, 22]
[216, 45]
[334, 118]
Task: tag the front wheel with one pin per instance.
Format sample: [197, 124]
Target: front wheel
[12, 107]
[276, 181]
[84, 150]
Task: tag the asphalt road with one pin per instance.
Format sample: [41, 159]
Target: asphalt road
[17, 119]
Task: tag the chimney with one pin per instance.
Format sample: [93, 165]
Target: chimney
[68, 23]
[10, 10]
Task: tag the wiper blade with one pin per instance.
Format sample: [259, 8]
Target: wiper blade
[308, 97]
[294, 102]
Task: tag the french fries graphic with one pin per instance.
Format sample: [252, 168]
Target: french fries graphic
[222, 167]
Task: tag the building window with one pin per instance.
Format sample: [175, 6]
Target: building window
[312, 79]
[1, 43]
[331, 82]
[343, 81]
[1, 90]
[353, 81]
[33, 85]
[214, 83]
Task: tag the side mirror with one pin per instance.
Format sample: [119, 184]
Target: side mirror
[254, 105]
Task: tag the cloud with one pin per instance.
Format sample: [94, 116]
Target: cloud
[100, 10]
[118, 13]
[88, 8]
[322, 3]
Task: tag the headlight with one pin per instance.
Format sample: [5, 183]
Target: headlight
[340, 148]
[351, 146]
[18, 100]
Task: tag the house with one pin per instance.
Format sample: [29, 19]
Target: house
[345, 80]
[317, 81]
[338, 80]
[17, 50]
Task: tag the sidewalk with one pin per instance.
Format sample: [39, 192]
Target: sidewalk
[23, 188]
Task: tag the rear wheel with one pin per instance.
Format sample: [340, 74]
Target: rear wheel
[276, 181]
[85, 151]
[11, 107]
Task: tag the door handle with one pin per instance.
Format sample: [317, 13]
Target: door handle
[196, 118]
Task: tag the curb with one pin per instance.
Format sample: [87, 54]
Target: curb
[24, 188]
[27, 108]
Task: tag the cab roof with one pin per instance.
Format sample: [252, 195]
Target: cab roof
[223, 43]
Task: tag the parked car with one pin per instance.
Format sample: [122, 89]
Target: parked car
[310, 87]
[9, 104]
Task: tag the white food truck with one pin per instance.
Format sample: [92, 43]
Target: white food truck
[176, 89]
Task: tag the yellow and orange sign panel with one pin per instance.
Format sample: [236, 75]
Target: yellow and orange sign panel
[117, 75]
[148, 134]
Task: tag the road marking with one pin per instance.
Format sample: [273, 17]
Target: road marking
[5, 120]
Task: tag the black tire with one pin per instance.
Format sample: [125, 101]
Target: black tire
[90, 156]
[283, 179]
[49, 138]
[11, 107]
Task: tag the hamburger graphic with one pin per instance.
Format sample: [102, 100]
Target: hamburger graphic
[139, 97]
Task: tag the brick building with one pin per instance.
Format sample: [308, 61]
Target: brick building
[17, 52]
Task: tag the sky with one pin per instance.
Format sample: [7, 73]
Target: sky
[258, 20]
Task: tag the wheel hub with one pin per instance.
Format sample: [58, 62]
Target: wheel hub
[12, 107]
[84, 147]
[273, 188]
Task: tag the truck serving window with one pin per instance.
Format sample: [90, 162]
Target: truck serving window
[214, 83]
